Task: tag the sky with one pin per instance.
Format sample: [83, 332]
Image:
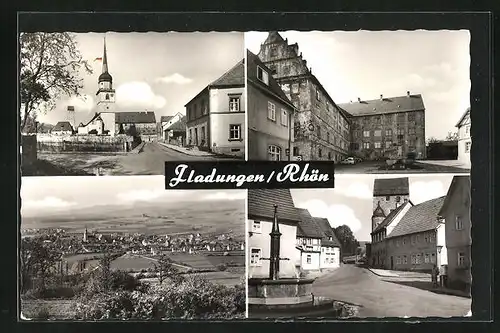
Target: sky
[46, 195]
[367, 64]
[151, 71]
[351, 201]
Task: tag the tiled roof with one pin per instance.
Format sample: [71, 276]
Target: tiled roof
[273, 87]
[178, 125]
[327, 232]
[165, 119]
[144, 117]
[233, 77]
[466, 114]
[390, 218]
[261, 204]
[385, 105]
[456, 181]
[419, 218]
[391, 186]
[62, 126]
[307, 225]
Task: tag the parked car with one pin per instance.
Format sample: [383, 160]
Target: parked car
[358, 159]
[349, 160]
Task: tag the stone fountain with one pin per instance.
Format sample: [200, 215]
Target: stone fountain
[284, 296]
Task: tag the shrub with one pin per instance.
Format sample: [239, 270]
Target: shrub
[42, 314]
[221, 267]
[192, 298]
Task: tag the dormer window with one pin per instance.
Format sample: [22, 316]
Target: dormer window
[262, 75]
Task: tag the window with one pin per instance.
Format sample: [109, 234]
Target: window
[284, 117]
[262, 75]
[417, 238]
[467, 147]
[366, 145]
[398, 242]
[234, 132]
[461, 259]
[271, 111]
[377, 133]
[255, 255]
[256, 227]
[387, 198]
[274, 153]
[388, 144]
[378, 145]
[366, 134]
[418, 259]
[308, 259]
[398, 198]
[411, 116]
[426, 238]
[107, 96]
[398, 260]
[400, 131]
[412, 239]
[405, 260]
[234, 104]
[459, 225]
[413, 259]
[320, 153]
[295, 88]
[427, 258]
[318, 94]
[329, 155]
[388, 132]
[432, 238]
[467, 129]
[411, 131]
[295, 151]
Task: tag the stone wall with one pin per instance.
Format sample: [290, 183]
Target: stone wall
[83, 143]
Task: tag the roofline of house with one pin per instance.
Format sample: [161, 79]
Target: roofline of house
[387, 112]
[270, 92]
[270, 218]
[412, 233]
[467, 111]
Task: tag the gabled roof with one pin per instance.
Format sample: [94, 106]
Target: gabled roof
[261, 204]
[390, 217]
[233, 77]
[385, 105]
[391, 186]
[274, 37]
[273, 88]
[454, 186]
[307, 225]
[96, 116]
[328, 231]
[419, 218]
[144, 117]
[464, 116]
[378, 212]
[165, 119]
[179, 125]
[62, 126]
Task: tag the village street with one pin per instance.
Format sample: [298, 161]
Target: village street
[379, 298]
[150, 160]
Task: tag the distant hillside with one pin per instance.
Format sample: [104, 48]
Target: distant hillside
[213, 216]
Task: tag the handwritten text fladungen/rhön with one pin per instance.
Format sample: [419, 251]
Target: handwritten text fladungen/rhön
[291, 172]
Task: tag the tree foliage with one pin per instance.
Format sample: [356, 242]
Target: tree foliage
[166, 270]
[349, 243]
[37, 260]
[452, 136]
[51, 66]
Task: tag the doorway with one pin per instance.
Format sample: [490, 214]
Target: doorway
[392, 263]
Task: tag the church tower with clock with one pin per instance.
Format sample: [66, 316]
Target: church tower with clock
[106, 96]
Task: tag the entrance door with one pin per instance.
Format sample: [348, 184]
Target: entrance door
[196, 136]
[392, 262]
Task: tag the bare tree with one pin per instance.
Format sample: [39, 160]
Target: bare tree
[165, 269]
[452, 136]
[50, 67]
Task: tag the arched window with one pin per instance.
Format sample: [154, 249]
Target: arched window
[274, 153]
[107, 96]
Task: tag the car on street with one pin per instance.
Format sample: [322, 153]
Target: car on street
[349, 160]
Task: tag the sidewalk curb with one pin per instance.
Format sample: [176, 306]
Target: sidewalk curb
[183, 151]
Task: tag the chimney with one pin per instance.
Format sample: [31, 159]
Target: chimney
[408, 93]
[359, 100]
[381, 97]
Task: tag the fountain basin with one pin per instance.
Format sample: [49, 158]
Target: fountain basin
[283, 291]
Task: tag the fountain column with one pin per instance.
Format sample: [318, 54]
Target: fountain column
[274, 258]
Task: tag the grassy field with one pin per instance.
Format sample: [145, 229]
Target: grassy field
[132, 262]
[57, 309]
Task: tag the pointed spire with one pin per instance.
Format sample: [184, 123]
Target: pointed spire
[276, 228]
[105, 58]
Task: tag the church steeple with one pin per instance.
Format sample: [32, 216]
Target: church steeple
[105, 76]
